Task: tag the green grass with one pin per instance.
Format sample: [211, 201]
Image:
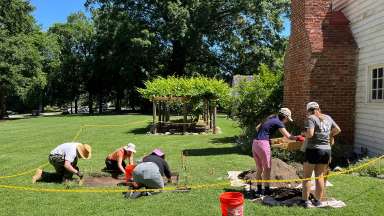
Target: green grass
[25, 144]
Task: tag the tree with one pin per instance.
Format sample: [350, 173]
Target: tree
[24, 53]
[76, 39]
[215, 38]
[126, 53]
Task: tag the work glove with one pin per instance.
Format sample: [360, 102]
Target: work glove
[80, 174]
[300, 138]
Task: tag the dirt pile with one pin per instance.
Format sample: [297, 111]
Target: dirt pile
[280, 171]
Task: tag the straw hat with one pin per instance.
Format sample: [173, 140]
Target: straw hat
[130, 147]
[84, 151]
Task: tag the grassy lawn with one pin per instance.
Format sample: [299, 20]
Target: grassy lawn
[25, 144]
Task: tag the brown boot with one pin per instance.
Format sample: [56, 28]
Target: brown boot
[37, 176]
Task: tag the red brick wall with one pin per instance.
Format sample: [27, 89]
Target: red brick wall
[320, 64]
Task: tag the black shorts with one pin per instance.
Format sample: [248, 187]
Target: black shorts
[113, 167]
[317, 156]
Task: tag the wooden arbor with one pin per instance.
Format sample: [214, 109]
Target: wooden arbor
[161, 115]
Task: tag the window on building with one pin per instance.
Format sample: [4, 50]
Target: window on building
[377, 89]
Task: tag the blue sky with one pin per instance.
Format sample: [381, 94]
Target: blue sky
[48, 12]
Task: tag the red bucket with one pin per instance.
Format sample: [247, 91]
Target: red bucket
[232, 204]
[128, 172]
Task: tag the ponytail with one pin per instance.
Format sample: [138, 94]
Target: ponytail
[317, 114]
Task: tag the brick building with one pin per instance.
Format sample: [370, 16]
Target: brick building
[328, 61]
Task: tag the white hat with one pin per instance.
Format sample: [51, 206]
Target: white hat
[287, 113]
[130, 147]
[312, 105]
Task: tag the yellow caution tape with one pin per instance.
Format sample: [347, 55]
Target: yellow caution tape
[23, 173]
[78, 133]
[201, 186]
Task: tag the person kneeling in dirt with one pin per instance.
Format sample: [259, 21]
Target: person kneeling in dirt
[320, 129]
[261, 149]
[64, 159]
[115, 162]
[149, 173]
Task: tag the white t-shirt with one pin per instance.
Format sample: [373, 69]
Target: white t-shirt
[68, 150]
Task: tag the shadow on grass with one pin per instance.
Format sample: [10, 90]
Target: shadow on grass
[141, 130]
[224, 140]
[213, 151]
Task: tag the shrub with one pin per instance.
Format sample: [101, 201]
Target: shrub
[253, 101]
[373, 170]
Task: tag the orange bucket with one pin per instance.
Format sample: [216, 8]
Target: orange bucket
[232, 204]
[129, 171]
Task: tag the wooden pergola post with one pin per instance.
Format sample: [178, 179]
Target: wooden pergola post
[185, 117]
[214, 117]
[154, 131]
[210, 114]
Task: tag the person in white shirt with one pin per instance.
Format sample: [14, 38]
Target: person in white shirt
[64, 159]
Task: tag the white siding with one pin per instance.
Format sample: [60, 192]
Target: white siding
[367, 24]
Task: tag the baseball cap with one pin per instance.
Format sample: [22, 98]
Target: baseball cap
[287, 113]
[312, 105]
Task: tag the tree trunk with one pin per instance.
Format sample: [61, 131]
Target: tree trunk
[71, 108]
[100, 101]
[76, 105]
[118, 103]
[178, 59]
[90, 104]
[2, 103]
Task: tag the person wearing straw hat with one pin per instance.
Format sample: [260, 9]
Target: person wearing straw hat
[64, 159]
[319, 133]
[261, 149]
[115, 162]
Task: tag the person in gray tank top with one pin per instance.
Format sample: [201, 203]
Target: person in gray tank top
[320, 130]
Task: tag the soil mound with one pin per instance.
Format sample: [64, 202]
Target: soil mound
[280, 171]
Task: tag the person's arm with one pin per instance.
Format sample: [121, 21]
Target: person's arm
[335, 129]
[68, 166]
[131, 161]
[286, 134]
[309, 132]
[120, 164]
[167, 171]
[258, 127]
[310, 128]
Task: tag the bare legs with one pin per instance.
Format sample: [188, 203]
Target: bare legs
[319, 174]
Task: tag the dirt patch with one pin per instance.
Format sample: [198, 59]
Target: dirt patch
[280, 171]
[105, 180]
[101, 181]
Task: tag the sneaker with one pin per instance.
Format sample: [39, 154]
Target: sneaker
[267, 192]
[249, 194]
[307, 204]
[316, 203]
[134, 195]
[38, 175]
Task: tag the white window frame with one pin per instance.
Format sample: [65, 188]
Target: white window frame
[370, 81]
